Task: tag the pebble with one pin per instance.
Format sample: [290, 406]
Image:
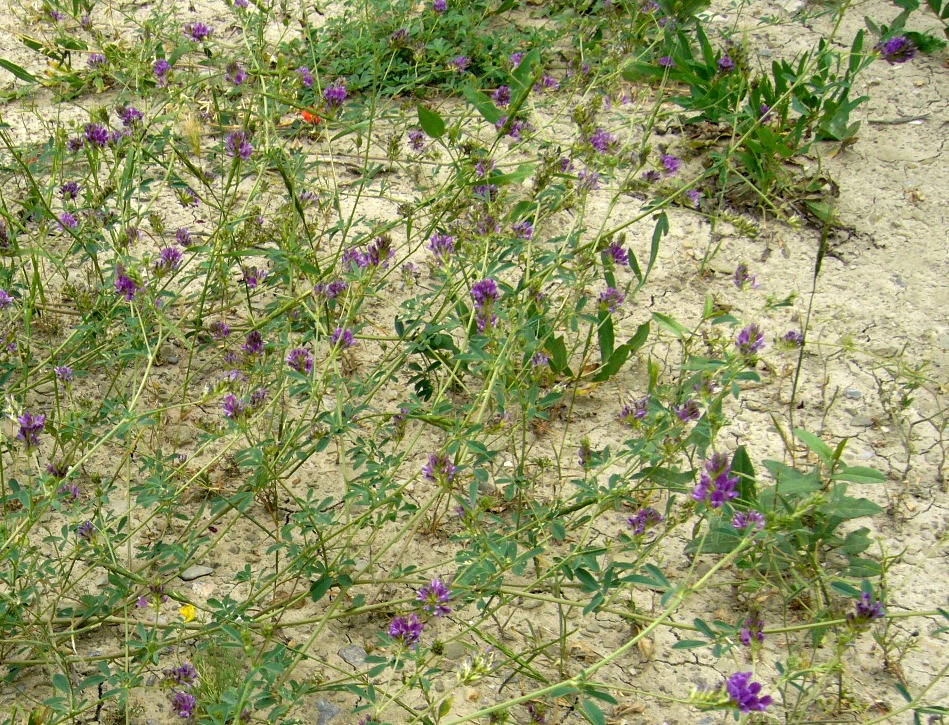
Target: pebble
[354, 655]
[853, 394]
[861, 421]
[326, 711]
[439, 686]
[455, 650]
[591, 628]
[194, 572]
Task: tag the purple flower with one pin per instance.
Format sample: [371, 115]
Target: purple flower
[258, 397]
[751, 630]
[306, 78]
[486, 191]
[440, 6]
[744, 693]
[301, 360]
[484, 293]
[695, 197]
[30, 428]
[124, 285]
[611, 299]
[765, 111]
[866, 610]
[632, 414]
[237, 145]
[442, 246]
[515, 59]
[502, 96]
[589, 180]
[219, 330]
[742, 278]
[160, 69]
[716, 484]
[566, 165]
[439, 468]
[689, 410]
[253, 343]
[416, 139]
[95, 60]
[67, 221]
[240, 4]
[169, 259]
[897, 50]
[130, 116]
[183, 704]
[750, 341]
[354, 258]
[85, 531]
[198, 31]
[793, 338]
[96, 135]
[540, 359]
[725, 65]
[602, 141]
[436, 595]
[233, 406]
[549, 82]
[644, 518]
[63, 373]
[666, 62]
[335, 94]
[744, 520]
[460, 63]
[670, 163]
[617, 255]
[650, 176]
[69, 190]
[253, 276]
[56, 15]
[234, 74]
[187, 197]
[523, 229]
[183, 237]
[330, 290]
[184, 675]
[408, 630]
[380, 252]
[342, 338]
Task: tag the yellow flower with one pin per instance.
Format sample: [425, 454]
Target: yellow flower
[188, 612]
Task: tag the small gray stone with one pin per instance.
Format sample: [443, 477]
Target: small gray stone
[591, 628]
[354, 655]
[861, 421]
[195, 571]
[853, 394]
[455, 651]
[439, 685]
[326, 711]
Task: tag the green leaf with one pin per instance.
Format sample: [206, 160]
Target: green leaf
[593, 713]
[846, 507]
[431, 122]
[639, 338]
[689, 644]
[522, 172]
[741, 465]
[847, 590]
[484, 105]
[60, 682]
[604, 335]
[16, 70]
[859, 474]
[676, 328]
[821, 449]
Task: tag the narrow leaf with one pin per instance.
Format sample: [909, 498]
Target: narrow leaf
[431, 123]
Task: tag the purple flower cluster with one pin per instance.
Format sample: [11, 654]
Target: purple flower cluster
[124, 285]
[306, 77]
[234, 74]
[751, 631]
[745, 694]
[440, 6]
[617, 255]
[237, 145]
[160, 69]
[5, 299]
[539, 359]
[96, 60]
[183, 704]
[632, 414]
[184, 676]
[95, 134]
[588, 180]
[198, 32]
[603, 141]
[435, 596]
[439, 468]
[68, 221]
[743, 278]
[523, 229]
[30, 428]
[342, 338]
[330, 290]
[725, 65]
[485, 294]
[301, 360]
[169, 260]
[69, 190]
[501, 96]
[233, 406]
[743, 520]
[442, 246]
[688, 410]
[897, 50]
[63, 373]
[716, 484]
[219, 330]
[335, 94]
[750, 341]
[644, 518]
[130, 116]
[584, 453]
[670, 164]
[793, 338]
[460, 64]
[408, 630]
[417, 139]
[252, 276]
[183, 237]
[611, 299]
[866, 610]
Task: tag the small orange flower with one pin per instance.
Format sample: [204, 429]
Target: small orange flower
[310, 117]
